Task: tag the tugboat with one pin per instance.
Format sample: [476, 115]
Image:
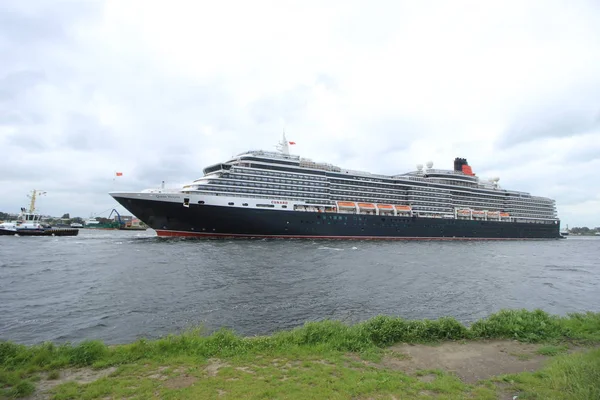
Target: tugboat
[29, 223]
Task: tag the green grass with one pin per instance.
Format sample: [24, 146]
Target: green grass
[326, 340]
[552, 350]
[522, 356]
[574, 376]
[328, 377]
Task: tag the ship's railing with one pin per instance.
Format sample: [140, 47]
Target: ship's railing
[448, 172]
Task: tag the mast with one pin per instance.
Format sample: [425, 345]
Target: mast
[284, 145]
[33, 197]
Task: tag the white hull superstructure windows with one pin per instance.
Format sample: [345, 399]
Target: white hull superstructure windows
[454, 193]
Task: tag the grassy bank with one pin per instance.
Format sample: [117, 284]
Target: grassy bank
[321, 360]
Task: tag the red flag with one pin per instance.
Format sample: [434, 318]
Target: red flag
[292, 142]
[119, 173]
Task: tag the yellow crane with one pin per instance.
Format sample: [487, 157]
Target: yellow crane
[33, 197]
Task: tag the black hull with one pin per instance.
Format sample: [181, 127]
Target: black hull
[41, 232]
[173, 219]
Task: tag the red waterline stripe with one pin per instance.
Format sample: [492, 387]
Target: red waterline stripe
[164, 233]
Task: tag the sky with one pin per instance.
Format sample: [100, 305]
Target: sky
[158, 90]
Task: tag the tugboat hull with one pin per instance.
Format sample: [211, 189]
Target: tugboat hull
[40, 232]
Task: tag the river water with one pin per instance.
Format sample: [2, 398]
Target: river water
[118, 286]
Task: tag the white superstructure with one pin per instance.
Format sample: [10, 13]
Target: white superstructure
[265, 179]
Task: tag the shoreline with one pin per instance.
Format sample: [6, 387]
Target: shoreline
[390, 356]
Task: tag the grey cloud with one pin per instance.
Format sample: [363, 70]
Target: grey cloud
[17, 108]
[171, 169]
[80, 132]
[587, 150]
[172, 109]
[568, 196]
[386, 140]
[26, 140]
[585, 154]
[328, 82]
[23, 28]
[551, 123]
[85, 132]
[36, 35]
[16, 83]
[24, 23]
[289, 105]
[12, 118]
[395, 133]
[206, 104]
[15, 168]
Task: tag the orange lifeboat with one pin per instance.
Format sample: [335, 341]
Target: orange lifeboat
[346, 204]
[385, 207]
[366, 205]
[403, 208]
[504, 214]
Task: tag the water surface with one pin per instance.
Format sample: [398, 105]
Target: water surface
[118, 286]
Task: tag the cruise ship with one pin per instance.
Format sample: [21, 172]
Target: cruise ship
[274, 194]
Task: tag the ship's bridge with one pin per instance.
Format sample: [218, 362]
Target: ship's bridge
[268, 154]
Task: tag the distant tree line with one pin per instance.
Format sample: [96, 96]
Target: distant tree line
[64, 220]
[584, 230]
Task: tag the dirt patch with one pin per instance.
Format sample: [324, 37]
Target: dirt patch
[159, 374]
[80, 375]
[355, 358]
[180, 382]
[213, 367]
[245, 369]
[176, 378]
[471, 361]
[284, 365]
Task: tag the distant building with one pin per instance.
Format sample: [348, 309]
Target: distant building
[124, 218]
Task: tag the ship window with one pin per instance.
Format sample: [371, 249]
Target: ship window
[230, 203]
[283, 206]
[201, 202]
